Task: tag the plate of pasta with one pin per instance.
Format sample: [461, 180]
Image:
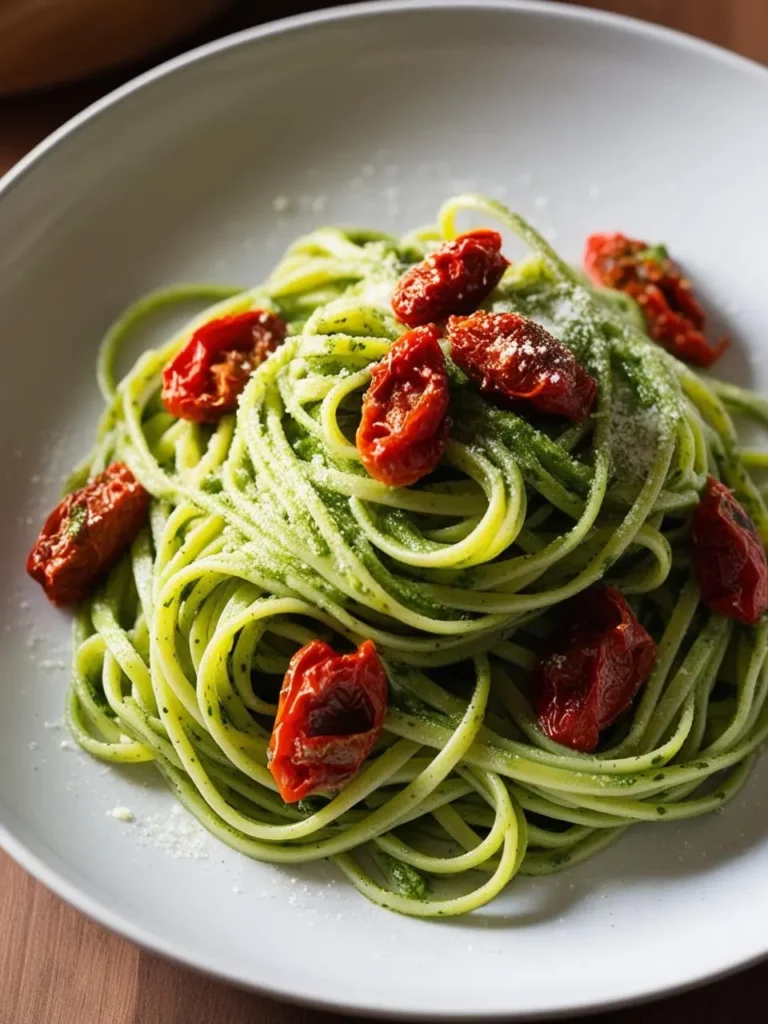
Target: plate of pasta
[398, 493]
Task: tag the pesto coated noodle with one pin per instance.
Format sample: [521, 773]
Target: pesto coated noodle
[266, 532]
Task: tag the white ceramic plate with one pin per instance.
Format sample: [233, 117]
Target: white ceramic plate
[370, 115]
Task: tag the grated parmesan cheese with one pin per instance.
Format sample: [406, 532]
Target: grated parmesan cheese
[121, 813]
[176, 832]
[634, 435]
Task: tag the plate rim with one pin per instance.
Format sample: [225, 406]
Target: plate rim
[57, 881]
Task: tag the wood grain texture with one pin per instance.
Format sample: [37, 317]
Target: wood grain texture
[43, 42]
[740, 25]
[56, 966]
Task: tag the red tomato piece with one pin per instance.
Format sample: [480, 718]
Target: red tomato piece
[86, 533]
[728, 556]
[204, 380]
[511, 357]
[404, 426]
[603, 659]
[329, 717]
[454, 279]
[673, 330]
[673, 316]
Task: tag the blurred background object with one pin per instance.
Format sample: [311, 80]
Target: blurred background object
[98, 43]
[46, 42]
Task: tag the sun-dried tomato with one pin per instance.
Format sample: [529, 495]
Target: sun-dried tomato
[86, 533]
[673, 316]
[204, 380]
[329, 717]
[602, 657]
[404, 426]
[728, 556]
[513, 358]
[454, 279]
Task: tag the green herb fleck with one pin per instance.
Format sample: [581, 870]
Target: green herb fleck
[655, 253]
[405, 879]
[311, 805]
[76, 521]
[211, 485]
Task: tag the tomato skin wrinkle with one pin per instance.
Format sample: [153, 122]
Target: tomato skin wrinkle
[329, 718]
[515, 359]
[86, 533]
[404, 426]
[454, 279]
[728, 557]
[603, 658]
[204, 380]
[673, 316]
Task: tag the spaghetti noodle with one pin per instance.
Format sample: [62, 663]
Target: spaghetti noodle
[266, 532]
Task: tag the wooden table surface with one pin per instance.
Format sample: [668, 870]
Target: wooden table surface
[58, 967]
